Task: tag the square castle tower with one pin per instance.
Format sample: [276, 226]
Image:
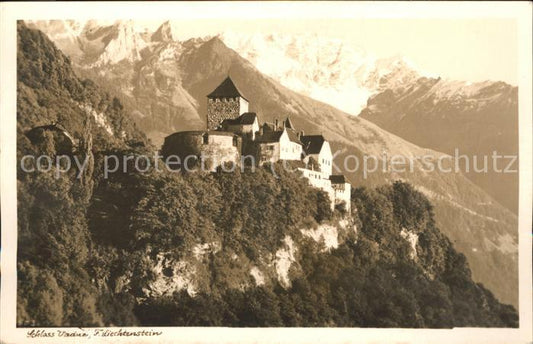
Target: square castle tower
[225, 102]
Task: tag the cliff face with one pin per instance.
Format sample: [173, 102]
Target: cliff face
[193, 273]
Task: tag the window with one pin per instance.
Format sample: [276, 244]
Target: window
[205, 138]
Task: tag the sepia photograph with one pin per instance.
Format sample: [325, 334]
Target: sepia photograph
[208, 166]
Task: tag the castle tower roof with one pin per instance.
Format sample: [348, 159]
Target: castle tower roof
[226, 89]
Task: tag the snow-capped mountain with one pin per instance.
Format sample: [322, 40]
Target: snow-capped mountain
[111, 44]
[325, 69]
[475, 119]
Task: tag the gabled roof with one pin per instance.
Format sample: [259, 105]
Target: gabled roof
[274, 136]
[288, 123]
[337, 179]
[293, 136]
[269, 136]
[268, 127]
[226, 89]
[244, 119]
[312, 143]
[52, 127]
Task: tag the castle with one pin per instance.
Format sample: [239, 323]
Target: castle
[233, 133]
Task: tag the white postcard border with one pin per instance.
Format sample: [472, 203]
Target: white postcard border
[11, 12]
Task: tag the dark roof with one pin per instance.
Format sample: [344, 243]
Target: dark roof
[274, 136]
[312, 143]
[269, 136]
[293, 136]
[248, 118]
[288, 123]
[226, 89]
[244, 119]
[337, 179]
[52, 127]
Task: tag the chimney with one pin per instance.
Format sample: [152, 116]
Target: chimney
[276, 124]
[302, 133]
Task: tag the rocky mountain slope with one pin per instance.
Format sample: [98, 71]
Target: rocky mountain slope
[164, 88]
[477, 119]
[324, 69]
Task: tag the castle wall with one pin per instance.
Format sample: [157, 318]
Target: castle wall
[243, 106]
[314, 178]
[219, 109]
[342, 193]
[215, 148]
[325, 159]
[337, 193]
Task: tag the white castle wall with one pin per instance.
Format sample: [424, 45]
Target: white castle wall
[243, 105]
[289, 150]
[337, 193]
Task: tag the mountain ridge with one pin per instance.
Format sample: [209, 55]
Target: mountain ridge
[432, 113]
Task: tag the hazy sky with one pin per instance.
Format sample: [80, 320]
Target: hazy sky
[462, 49]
